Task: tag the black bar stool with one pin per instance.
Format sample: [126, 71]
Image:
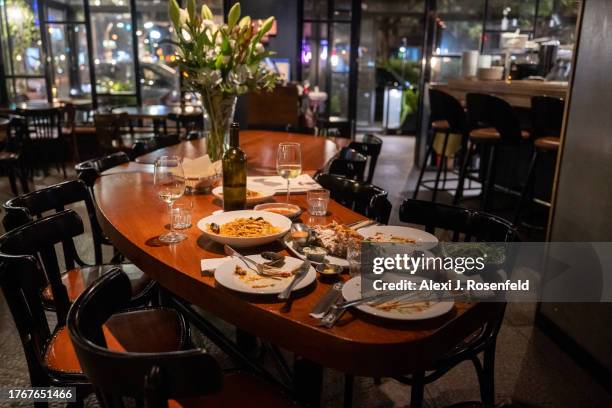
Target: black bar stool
[494, 123]
[447, 117]
[547, 119]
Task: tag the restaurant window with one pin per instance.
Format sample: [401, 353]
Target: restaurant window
[390, 53]
[22, 54]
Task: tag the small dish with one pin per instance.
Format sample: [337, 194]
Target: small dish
[301, 234]
[328, 269]
[290, 211]
[315, 253]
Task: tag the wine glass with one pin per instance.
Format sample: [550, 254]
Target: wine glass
[289, 162]
[169, 181]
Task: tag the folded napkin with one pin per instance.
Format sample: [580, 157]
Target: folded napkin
[208, 266]
[300, 184]
[201, 167]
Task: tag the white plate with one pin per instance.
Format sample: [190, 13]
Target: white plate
[264, 193]
[424, 239]
[276, 220]
[329, 258]
[225, 275]
[352, 291]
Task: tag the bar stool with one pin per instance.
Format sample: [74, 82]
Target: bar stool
[547, 120]
[370, 146]
[447, 117]
[494, 123]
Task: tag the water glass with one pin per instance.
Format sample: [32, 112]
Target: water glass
[181, 215]
[353, 256]
[317, 202]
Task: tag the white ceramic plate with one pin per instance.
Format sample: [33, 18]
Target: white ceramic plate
[424, 239]
[352, 291]
[329, 258]
[277, 220]
[264, 193]
[225, 275]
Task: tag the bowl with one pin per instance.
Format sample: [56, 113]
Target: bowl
[291, 211]
[259, 193]
[277, 220]
[491, 73]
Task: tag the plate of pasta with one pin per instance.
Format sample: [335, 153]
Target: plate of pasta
[245, 228]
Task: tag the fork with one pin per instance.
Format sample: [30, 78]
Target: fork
[259, 269]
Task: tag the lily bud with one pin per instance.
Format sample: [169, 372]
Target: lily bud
[175, 14]
[245, 22]
[267, 25]
[233, 15]
[191, 7]
[206, 13]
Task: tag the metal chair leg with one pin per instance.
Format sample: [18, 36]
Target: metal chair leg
[463, 174]
[349, 382]
[427, 157]
[527, 187]
[488, 386]
[488, 181]
[440, 163]
[417, 390]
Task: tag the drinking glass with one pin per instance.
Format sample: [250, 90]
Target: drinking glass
[169, 181]
[317, 202]
[181, 214]
[353, 256]
[289, 162]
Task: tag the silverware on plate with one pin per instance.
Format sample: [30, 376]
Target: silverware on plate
[299, 275]
[256, 267]
[327, 300]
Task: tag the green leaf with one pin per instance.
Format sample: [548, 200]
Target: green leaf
[233, 15]
[191, 9]
[175, 14]
[206, 13]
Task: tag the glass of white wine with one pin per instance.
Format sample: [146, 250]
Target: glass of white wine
[169, 181]
[289, 162]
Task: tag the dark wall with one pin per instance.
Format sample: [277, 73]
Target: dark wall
[285, 43]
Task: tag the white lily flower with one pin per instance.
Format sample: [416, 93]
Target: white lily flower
[184, 17]
[259, 48]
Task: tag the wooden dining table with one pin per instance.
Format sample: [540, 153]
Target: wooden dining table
[260, 148]
[132, 216]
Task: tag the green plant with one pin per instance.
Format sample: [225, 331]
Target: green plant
[22, 30]
[409, 71]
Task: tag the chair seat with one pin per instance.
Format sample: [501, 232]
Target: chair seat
[440, 124]
[143, 330]
[547, 143]
[490, 133]
[8, 156]
[78, 279]
[239, 390]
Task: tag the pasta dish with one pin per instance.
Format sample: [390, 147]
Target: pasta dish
[244, 228]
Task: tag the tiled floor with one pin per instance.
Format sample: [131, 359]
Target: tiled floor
[530, 369]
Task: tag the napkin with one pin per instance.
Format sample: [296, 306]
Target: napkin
[201, 167]
[300, 184]
[208, 266]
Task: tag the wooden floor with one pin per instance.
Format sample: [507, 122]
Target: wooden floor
[530, 368]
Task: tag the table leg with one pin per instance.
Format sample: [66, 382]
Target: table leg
[308, 381]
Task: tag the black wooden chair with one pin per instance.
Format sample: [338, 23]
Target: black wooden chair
[186, 378]
[370, 146]
[494, 123]
[111, 132]
[11, 156]
[447, 117]
[142, 147]
[78, 275]
[49, 352]
[464, 225]
[366, 199]
[546, 123]
[348, 163]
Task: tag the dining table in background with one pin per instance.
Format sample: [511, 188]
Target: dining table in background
[132, 216]
[158, 114]
[260, 147]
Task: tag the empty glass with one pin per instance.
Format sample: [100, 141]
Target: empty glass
[317, 202]
[353, 256]
[181, 214]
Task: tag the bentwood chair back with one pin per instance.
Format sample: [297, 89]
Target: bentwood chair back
[366, 199]
[445, 107]
[370, 146]
[11, 157]
[109, 131]
[463, 225]
[348, 163]
[22, 279]
[44, 139]
[90, 170]
[142, 147]
[546, 116]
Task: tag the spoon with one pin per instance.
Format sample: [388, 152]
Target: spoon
[273, 258]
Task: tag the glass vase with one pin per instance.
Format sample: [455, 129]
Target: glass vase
[220, 109]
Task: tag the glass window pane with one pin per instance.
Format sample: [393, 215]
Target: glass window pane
[21, 37]
[339, 61]
[315, 54]
[557, 19]
[66, 10]
[112, 45]
[510, 15]
[445, 68]
[28, 89]
[315, 9]
[69, 60]
[158, 80]
[454, 37]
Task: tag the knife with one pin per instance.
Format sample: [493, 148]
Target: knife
[327, 300]
[301, 274]
[376, 298]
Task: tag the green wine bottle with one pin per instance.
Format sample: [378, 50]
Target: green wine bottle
[234, 173]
